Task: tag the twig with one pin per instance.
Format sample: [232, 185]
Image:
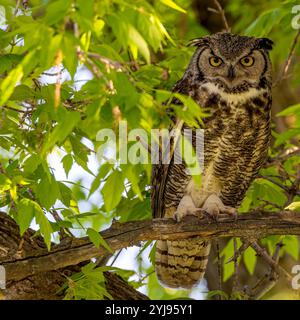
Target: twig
[14, 109]
[280, 185]
[107, 61]
[116, 257]
[17, 7]
[236, 267]
[288, 60]
[282, 157]
[222, 13]
[219, 269]
[293, 189]
[97, 72]
[54, 74]
[241, 249]
[268, 203]
[25, 4]
[146, 276]
[268, 281]
[262, 252]
[102, 261]
[61, 231]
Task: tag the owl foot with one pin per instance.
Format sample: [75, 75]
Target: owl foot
[215, 207]
[179, 215]
[187, 207]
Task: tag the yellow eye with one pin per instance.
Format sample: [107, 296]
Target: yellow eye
[247, 61]
[215, 61]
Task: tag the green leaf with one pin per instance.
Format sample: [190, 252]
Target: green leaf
[32, 163]
[135, 209]
[56, 11]
[83, 165]
[137, 42]
[294, 206]
[191, 113]
[227, 253]
[291, 246]
[70, 60]
[112, 190]
[65, 194]
[8, 62]
[133, 177]
[192, 160]
[45, 226]
[61, 131]
[290, 111]
[287, 135]
[8, 84]
[214, 293]
[173, 5]
[150, 31]
[97, 239]
[250, 259]
[22, 92]
[265, 22]
[26, 212]
[103, 171]
[5, 184]
[67, 162]
[47, 191]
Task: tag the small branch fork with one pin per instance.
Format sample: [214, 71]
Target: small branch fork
[268, 281]
[221, 12]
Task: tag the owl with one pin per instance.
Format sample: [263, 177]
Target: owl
[229, 75]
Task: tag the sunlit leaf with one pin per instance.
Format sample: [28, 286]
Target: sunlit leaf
[112, 190]
[97, 239]
[173, 5]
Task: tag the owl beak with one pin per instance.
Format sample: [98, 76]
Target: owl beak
[231, 73]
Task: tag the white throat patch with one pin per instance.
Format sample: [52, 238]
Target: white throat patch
[233, 98]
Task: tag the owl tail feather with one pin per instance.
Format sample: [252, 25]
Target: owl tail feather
[181, 263]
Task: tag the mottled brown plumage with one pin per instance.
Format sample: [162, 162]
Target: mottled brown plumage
[236, 87]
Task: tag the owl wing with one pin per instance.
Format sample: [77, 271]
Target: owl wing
[160, 171]
[160, 174]
[159, 178]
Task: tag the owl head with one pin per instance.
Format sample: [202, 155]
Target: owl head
[236, 63]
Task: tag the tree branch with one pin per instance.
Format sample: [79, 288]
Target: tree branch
[251, 225]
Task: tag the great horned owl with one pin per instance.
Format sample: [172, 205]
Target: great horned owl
[231, 76]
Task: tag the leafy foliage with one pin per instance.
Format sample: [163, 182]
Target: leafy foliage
[69, 68]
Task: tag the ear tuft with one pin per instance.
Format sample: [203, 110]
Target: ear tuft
[265, 43]
[198, 42]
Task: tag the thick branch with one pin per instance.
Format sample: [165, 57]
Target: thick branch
[253, 225]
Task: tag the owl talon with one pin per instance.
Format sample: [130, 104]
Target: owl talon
[187, 207]
[231, 211]
[180, 214]
[215, 207]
